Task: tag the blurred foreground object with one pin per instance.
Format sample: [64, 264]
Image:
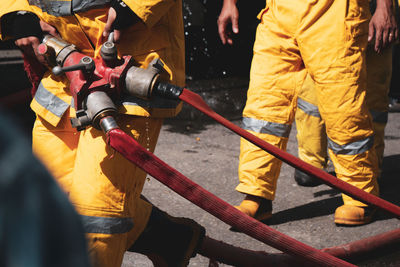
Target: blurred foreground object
[38, 226]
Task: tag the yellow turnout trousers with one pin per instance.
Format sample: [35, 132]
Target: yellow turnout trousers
[103, 186]
[311, 135]
[326, 39]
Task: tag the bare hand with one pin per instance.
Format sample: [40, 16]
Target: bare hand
[383, 28]
[109, 26]
[29, 44]
[229, 16]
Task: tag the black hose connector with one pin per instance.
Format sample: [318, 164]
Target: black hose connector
[167, 90]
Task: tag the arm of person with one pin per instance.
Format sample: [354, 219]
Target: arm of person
[124, 13]
[27, 30]
[6, 8]
[383, 28]
[229, 16]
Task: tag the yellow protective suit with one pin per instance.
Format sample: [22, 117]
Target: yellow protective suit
[326, 39]
[103, 186]
[311, 134]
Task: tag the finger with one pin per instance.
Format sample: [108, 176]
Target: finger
[385, 38]
[235, 24]
[221, 31]
[229, 40]
[49, 28]
[378, 40]
[371, 32]
[110, 19]
[395, 33]
[391, 37]
[25, 45]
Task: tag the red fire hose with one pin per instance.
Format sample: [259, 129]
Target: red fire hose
[170, 177]
[197, 102]
[356, 251]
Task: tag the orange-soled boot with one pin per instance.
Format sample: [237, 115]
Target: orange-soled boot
[353, 215]
[257, 207]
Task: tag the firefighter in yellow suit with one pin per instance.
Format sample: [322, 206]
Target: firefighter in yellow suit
[103, 186]
[327, 40]
[311, 135]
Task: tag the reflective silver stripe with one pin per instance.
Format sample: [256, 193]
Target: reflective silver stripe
[51, 102]
[156, 102]
[84, 5]
[379, 116]
[260, 126]
[106, 225]
[308, 108]
[354, 148]
[67, 8]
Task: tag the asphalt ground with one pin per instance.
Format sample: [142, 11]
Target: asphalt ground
[207, 153]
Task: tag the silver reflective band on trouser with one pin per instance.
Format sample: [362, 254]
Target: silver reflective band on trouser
[67, 7]
[51, 102]
[106, 225]
[379, 116]
[260, 126]
[308, 108]
[353, 148]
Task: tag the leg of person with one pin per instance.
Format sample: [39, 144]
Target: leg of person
[55, 146]
[311, 133]
[336, 60]
[379, 72]
[106, 190]
[269, 112]
[394, 93]
[168, 240]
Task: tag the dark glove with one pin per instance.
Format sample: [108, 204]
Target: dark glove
[21, 24]
[125, 16]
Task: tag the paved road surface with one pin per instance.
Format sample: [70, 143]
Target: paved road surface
[207, 153]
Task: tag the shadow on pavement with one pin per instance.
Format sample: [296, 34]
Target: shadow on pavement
[185, 127]
[190, 127]
[310, 210]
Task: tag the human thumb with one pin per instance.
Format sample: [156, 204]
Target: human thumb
[108, 28]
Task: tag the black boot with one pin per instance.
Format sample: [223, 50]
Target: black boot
[303, 179]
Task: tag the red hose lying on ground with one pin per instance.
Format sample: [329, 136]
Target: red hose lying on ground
[363, 248]
[197, 102]
[356, 251]
[134, 152]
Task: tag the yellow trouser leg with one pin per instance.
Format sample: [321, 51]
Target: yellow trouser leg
[379, 73]
[259, 170]
[56, 149]
[103, 186]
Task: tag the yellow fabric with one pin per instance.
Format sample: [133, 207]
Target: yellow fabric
[98, 180]
[311, 135]
[160, 36]
[56, 149]
[107, 250]
[256, 167]
[311, 132]
[379, 74]
[322, 38]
